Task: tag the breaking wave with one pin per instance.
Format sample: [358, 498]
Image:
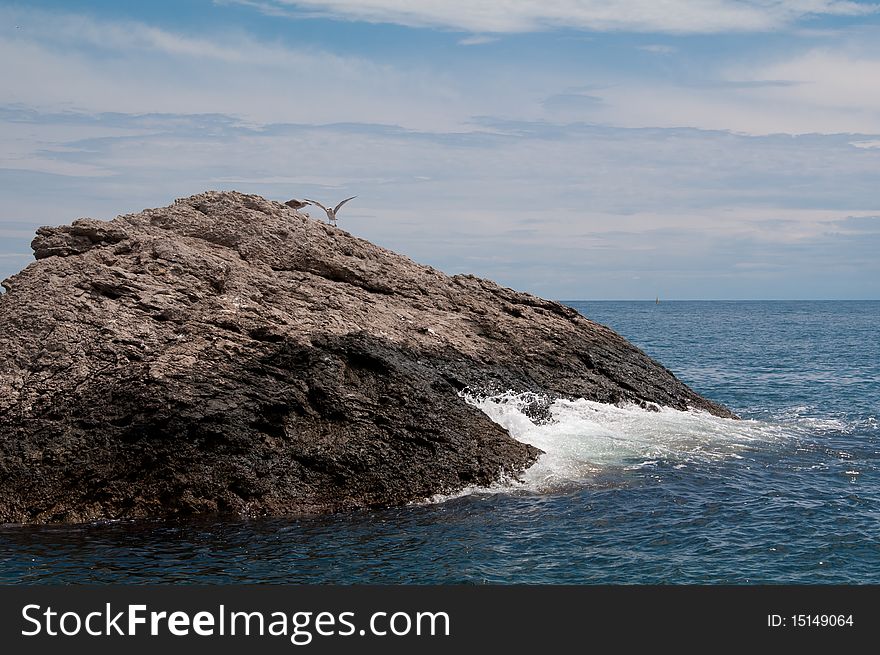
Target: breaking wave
[583, 438]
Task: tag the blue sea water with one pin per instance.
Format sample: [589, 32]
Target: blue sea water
[789, 494]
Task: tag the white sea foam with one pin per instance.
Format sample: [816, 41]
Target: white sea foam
[586, 437]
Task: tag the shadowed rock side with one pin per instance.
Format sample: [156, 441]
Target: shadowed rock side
[226, 353]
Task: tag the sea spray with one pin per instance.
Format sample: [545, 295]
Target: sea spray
[582, 438]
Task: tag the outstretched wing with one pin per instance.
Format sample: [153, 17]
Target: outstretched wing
[336, 208]
[315, 202]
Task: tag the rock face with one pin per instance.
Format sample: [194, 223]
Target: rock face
[228, 354]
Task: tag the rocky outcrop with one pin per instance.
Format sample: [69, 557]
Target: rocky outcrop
[228, 354]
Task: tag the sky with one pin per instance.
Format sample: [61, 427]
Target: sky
[576, 149]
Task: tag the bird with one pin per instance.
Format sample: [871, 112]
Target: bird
[293, 203]
[331, 213]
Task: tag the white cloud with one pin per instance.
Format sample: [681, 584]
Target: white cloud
[530, 200]
[562, 210]
[32, 147]
[45, 165]
[510, 16]
[78, 62]
[130, 35]
[477, 39]
[827, 90]
[658, 49]
[745, 110]
[834, 79]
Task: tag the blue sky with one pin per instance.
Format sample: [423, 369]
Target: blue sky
[580, 149]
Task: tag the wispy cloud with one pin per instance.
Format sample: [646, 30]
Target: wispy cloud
[831, 78]
[66, 61]
[564, 163]
[815, 90]
[265, 7]
[536, 205]
[477, 39]
[78, 30]
[658, 48]
[479, 16]
[87, 63]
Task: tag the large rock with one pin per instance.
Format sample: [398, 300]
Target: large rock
[227, 353]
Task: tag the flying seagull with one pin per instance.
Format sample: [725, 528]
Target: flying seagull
[293, 203]
[331, 213]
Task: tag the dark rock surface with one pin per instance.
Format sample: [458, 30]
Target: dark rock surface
[226, 353]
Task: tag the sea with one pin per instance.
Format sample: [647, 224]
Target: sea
[788, 494]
